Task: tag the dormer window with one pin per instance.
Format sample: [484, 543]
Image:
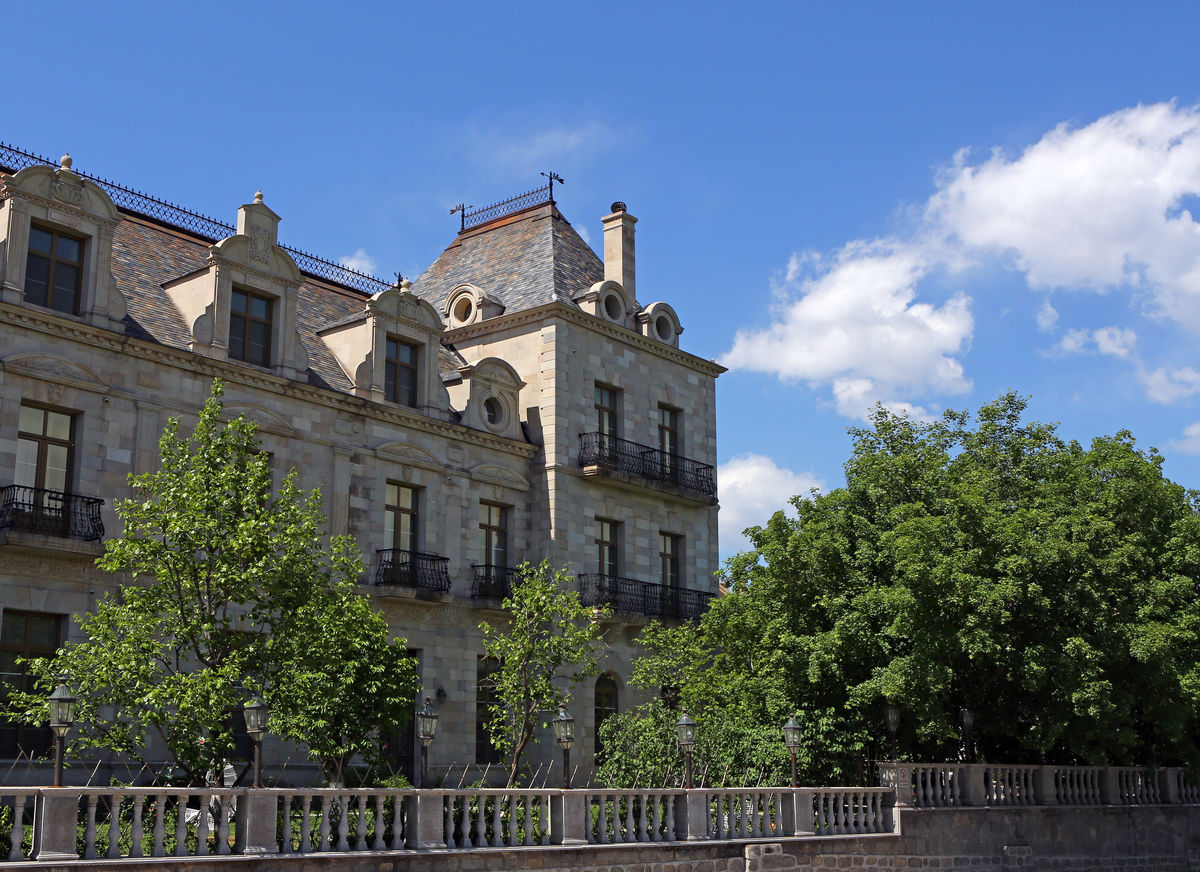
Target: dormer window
[400, 372]
[53, 270]
[251, 324]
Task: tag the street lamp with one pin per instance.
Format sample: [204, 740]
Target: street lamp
[968, 723]
[564, 732]
[791, 738]
[255, 713]
[62, 715]
[427, 718]
[685, 732]
[892, 712]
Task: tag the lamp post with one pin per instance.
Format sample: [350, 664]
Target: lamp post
[791, 738]
[62, 715]
[968, 723]
[892, 712]
[564, 733]
[427, 718]
[685, 732]
[255, 713]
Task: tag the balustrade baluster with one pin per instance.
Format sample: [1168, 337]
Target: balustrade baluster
[324, 826]
[202, 826]
[223, 824]
[378, 844]
[285, 836]
[528, 800]
[360, 829]
[643, 825]
[603, 819]
[135, 847]
[17, 836]
[89, 830]
[669, 801]
[480, 820]
[398, 821]
[181, 804]
[655, 818]
[496, 835]
[754, 819]
[630, 831]
[343, 830]
[114, 825]
[306, 823]
[159, 831]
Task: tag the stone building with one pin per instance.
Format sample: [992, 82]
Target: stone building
[516, 402]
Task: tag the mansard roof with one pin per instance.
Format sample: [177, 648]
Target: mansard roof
[147, 256]
[523, 260]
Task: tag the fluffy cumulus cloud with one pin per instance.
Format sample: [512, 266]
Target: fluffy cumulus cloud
[1166, 385]
[1190, 443]
[360, 261]
[1105, 207]
[754, 487]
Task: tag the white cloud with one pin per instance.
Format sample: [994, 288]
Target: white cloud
[753, 488]
[360, 261]
[1046, 317]
[855, 325]
[1098, 208]
[1190, 443]
[548, 148]
[583, 233]
[1168, 386]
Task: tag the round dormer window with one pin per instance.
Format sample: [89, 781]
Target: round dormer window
[614, 307]
[494, 413]
[663, 328]
[462, 310]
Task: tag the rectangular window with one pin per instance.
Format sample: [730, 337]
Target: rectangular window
[401, 525]
[485, 698]
[608, 547]
[606, 410]
[400, 373]
[25, 634]
[53, 269]
[668, 430]
[45, 448]
[670, 552]
[251, 323]
[493, 534]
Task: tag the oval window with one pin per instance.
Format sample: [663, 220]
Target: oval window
[613, 307]
[463, 309]
[493, 410]
[664, 328]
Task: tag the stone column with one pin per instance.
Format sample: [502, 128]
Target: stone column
[801, 807]
[425, 823]
[55, 820]
[1110, 787]
[569, 818]
[256, 819]
[1045, 790]
[974, 790]
[691, 816]
[1168, 783]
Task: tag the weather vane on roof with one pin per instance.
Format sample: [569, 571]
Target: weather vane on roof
[462, 209]
[553, 177]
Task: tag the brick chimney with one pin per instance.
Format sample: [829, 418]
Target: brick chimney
[618, 248]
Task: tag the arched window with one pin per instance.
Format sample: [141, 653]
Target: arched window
[606, 707]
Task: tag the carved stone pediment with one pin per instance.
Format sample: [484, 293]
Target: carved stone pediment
[52, 367]
[265, 420]
[494, 474]
[406, 453]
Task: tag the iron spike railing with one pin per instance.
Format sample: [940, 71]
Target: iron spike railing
[415, 569]
[53, 513]
[629, 596]
[511, 206]
[492, 582]
[607, 452]
[13, 159]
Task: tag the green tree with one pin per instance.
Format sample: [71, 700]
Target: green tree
[982, 563]
[231, 591]
[549, 643]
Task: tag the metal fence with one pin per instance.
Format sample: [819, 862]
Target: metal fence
[645, 461]
[131, 200]
[50, 512]
[629, 596]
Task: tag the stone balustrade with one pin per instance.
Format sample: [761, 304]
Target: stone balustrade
[116, 823]
[947, 785]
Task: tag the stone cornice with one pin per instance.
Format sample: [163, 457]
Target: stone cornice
[582, 319]
[45, 322]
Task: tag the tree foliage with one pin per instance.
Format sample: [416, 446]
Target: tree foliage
[987, 563]
[232, 591]
[549, 643]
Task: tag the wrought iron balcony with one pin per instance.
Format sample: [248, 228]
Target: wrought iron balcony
[492, 582]
[51, 513]
[415, 569]
[628, 596]
[606, 452]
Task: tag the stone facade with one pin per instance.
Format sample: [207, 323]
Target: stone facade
[509, 337]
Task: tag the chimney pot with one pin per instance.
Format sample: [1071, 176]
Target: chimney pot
[619, 249]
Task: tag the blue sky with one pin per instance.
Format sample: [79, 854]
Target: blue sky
[924, 204]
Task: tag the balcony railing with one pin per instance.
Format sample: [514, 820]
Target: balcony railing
[492, 582]
[52, 513]
[415, 569]
[628, 596]
[642, 461]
